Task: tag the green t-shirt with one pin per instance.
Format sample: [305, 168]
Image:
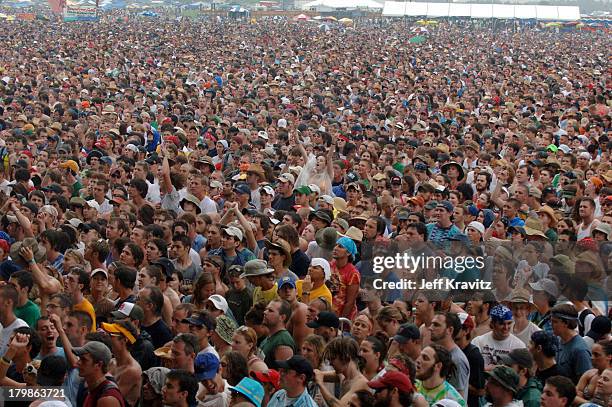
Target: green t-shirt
[444, 391]
[29, 312]
[269, 345]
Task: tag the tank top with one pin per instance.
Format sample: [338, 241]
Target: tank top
[105, 389]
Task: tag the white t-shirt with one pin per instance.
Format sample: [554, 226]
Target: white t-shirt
[7, 331]
[221, 399]
[492, 349]
[525, 334]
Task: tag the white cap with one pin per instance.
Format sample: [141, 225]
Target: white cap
[50, 210]
[478, 226]
[233, 231]
[286, 177]
[262, 134]
[327, 199]
[93, 204]
[282, 123]
[268, 190]
[315, 188]
[219, 302]
[324, 264]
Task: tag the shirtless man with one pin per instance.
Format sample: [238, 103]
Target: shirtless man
[343, 355]
[125, 369]
[299, 311]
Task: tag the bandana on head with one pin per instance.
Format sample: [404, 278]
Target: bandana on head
[501, 313]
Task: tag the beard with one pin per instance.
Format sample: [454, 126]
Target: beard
[383, 402]
[426, 374]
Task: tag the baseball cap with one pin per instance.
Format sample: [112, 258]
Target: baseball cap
[297, 363]
[286, 177]
[166, 265]
[287, 280]
[304, 190]
[271, 376]
[268, 190]
[98, 351]
[71, 165]
[393, 379]
[129, 310]
[521, 357]
[446, 205]
[122, 327]
[545, 284]
[325, 318]
[98, 271]
[206, 366]
[600, 327]
[233, 231]
[407, 332]
[242, 188]
[219, 302]
[201, 319]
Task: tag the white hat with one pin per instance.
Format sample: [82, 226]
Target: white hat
[478, 226]
[132, 147]
[315, 188]
[565, 148]
[219, 302]
[268, 190]
[50, 210]
[233, 231]
[327, 199]
[93, 204]
[286, 177]
[282, 123]
[96, 271]
[324, 264]
[262, 134]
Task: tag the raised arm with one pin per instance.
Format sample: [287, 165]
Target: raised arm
[330, 157]
[248, 231]
[47, 284]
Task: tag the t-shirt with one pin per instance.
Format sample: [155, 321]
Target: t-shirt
[476, 372]
[86, 306]
[525, 334]
[460, 378]
[573, 358]
[29, 312]
[299, 263]
[441, 236]
[344, 278]
[322, 291]
[221, 399]
[271, 343]
[266, 296]
[492, 349]
[240, 303]
[7, 331]
[284, 204]
[160, 333]
[444, 391]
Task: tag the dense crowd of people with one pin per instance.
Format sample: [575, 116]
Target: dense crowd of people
[194, 213]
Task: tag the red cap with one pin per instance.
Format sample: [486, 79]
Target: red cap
[27, 152]
[343, 138]
[392, 379]
[271, 376]
[101, 144]
[172, 139]
[608, 198]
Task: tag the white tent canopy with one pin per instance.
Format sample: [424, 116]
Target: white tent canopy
[335, 4]
[422, 9]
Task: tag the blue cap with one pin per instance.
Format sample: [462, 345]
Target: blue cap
[286, 280]
[348, 244]
[242, 188]
[206, 366]
[473, 210]
[516, 222]
[446, 205]
[251, 389]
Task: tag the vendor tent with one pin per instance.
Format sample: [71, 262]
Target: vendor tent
[473, 10]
